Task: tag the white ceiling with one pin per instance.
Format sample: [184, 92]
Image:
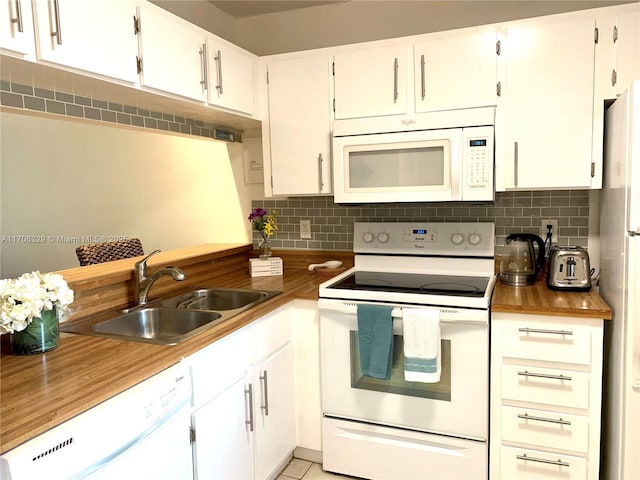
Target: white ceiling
[252, 8]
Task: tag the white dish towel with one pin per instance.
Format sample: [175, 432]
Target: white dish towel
[421, 336]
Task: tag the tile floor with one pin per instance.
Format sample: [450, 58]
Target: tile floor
[304, 470]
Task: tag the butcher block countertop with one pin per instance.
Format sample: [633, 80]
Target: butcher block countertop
[38, 392]
[537, 299]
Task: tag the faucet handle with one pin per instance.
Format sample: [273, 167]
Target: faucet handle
[141, 265]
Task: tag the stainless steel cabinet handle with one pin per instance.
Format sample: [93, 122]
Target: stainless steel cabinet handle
[422, 77]
[395, 80]
[203, 56]
[218, 59]
[560, 421]
[56, 13]
[265, 389]
[544, 375]
[558, 462]
[249, 393]
[320, 160]
[541, 330]
[18, 18]
[515, 164]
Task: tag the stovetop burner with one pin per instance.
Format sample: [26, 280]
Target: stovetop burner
[449, 285]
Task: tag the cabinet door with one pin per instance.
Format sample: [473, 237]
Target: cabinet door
[371, 83]
[275, 412]
[300, 126]
[90, 35]
[230, 77]
[172, 54]
[459, 71]
[544, 138]
[16, 27]
[627, 47]
[223, 445]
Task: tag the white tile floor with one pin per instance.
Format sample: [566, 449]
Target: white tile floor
[304, 470]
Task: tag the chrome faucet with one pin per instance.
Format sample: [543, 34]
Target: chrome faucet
[143, 283]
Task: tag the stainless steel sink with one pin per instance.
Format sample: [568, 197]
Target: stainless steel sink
[219, 299]
[156, 323]
[171, 321]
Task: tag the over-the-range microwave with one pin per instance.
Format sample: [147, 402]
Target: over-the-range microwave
[384, 163]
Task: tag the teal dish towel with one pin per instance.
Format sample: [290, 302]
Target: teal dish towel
[375, 340]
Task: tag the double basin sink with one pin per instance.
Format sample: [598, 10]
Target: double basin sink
[172, 321]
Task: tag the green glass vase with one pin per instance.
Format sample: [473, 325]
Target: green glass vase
[40, 336]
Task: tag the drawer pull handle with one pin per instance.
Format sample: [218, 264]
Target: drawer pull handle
[541, 330]
[558, 462]
[544, 375]
[559, 421]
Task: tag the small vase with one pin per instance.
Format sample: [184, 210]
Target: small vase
[40, 336]
[265, 244]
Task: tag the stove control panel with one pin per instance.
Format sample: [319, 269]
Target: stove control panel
[464, 238]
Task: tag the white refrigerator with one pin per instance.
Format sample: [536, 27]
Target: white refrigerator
[620, 287]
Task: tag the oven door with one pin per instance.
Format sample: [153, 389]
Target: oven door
[457, 405]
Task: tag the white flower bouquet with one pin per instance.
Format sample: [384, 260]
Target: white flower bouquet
[27, 296]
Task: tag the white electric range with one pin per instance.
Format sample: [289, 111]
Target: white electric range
[391, 428]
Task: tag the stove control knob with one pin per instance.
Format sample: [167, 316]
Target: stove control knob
[457, 238]
[383, 237]
[367, 237]
[474, 239]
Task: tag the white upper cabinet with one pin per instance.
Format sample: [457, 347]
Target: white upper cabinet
[16, 28]
[230, 76]
[454, 70]
[90, 35]
[371, 83]
[545, 115]
[299, 127]
[626, 38]
[172, 54]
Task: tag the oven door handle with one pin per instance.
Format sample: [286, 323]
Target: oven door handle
[351, 308]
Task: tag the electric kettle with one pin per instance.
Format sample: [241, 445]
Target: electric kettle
[520, 263]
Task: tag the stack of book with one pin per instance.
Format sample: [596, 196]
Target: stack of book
[267, 267]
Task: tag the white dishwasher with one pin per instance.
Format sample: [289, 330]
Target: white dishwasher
[141, 433]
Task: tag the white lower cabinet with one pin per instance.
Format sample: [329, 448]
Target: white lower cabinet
[243, 417]
[546, 393]
[273, 407]
[223, 446]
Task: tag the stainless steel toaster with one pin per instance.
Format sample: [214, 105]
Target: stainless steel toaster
[569, 269]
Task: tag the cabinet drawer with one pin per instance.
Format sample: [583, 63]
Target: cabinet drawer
[544, 428]
[524, 464]
[547, 342]
[544, 385]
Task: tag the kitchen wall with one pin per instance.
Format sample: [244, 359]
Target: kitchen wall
[332, 224]
[78, 170]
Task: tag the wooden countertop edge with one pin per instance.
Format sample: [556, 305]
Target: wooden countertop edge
[602, 314]
[94, 273]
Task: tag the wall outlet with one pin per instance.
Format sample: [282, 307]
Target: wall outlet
[305, 228]
[554, 229]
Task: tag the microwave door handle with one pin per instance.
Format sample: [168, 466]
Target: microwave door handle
[395, 80]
